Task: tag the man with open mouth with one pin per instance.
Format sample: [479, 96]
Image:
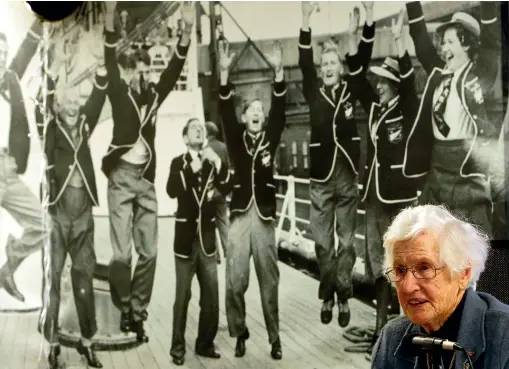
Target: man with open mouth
[65, 126]
[195, 176]
[451, 143]
[385, 190]
[335, 154]
[253, 205]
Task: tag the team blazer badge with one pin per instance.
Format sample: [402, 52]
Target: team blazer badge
[348, 110]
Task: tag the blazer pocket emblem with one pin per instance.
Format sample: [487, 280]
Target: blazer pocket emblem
[348, 110]
[395, 132]
[210, 194]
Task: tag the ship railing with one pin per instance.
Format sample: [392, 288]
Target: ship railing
[288, 209]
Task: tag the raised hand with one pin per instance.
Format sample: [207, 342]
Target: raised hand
[209, 154]
[111, 6]
[397, 25]
[225, 59]
[188, 13]
[367, 4]
[355, 17]
[308, 7]
[276, 57]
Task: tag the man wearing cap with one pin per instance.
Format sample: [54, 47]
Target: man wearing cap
[194, 178]
[335, 153]
[386, 191]
[222, 220]
[457, 121]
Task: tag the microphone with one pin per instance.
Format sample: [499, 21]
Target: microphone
[431, 343]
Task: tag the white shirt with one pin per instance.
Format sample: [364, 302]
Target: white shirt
[5, 121]
[455, 114]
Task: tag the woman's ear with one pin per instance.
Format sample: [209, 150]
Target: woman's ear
[465, 277]
[243, 118]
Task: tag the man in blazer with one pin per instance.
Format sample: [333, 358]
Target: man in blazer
[392, 109]
[222, 220]
[194, 178]
[15, 196]
[253, 205]
[335, 153]
[130, 165]
[460, 115]
[65, 128]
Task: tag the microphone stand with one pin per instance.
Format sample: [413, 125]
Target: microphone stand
[435, 358]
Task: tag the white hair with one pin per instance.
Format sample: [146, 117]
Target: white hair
[460, 244]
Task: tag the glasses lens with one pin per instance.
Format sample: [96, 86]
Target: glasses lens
[424, 271]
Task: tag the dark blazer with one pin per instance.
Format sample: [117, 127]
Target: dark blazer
[10, 88]
[128, 123]
[387, 135]
[483, 330]
[196, 209]
[254, 167]
[476, 86]
[332, 115]
[221, 150]
[62, 155]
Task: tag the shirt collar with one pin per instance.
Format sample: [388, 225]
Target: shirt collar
[193, 153]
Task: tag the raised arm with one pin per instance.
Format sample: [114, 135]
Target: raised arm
[28, 48]
[407, 92]
[306, 62]
[170, 75]
[490, 42]
[110, 52]
[361, 87]
[368, 36]
[277, 113]
[95, 102]
[425, 51]
[231, 127]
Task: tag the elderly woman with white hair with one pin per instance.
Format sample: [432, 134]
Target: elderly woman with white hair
[434, 260]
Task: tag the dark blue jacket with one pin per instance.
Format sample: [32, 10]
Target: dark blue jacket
[483, 331]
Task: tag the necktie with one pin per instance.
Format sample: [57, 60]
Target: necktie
[377, 120]
[440, 105]
[198, 175]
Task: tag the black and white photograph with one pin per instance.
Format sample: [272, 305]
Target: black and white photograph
[243, 184]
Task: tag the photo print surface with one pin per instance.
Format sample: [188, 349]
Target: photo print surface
[158, 158]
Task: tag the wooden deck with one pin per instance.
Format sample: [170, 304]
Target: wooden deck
[307, 343]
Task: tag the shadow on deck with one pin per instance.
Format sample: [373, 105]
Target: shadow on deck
[307, 344]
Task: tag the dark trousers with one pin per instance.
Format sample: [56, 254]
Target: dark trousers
[17, 199]
[470, 197]
[334, 208]
[379, 217]
[132, 205]
[72, 232]
[205, 268]
[250, 235]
